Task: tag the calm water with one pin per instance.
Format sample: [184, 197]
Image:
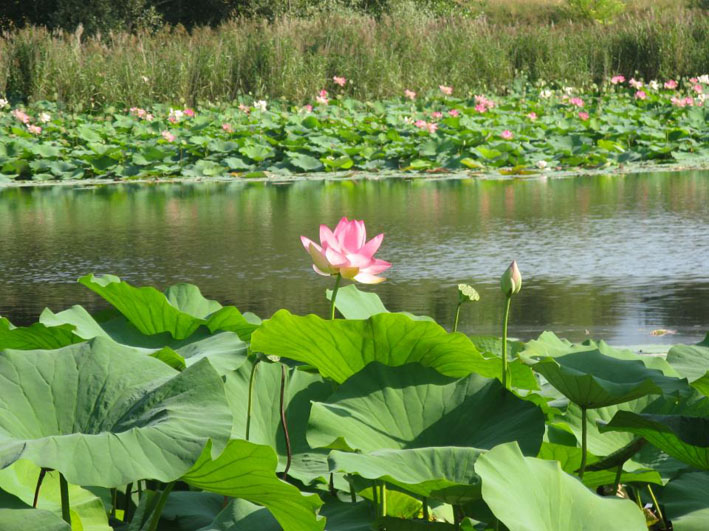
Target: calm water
[610, 257]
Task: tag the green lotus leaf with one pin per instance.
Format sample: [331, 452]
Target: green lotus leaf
[591, 379]
[247, 470]
[355, 304]
[340, 348]
[412, 406]
[692, 362]
[685, 501]
[28, 518]
[445, 473]
[526, 493]
[87, 510]
[35, 336]
[241, 514]
[187, 510]
[105, 415]
[301, 389]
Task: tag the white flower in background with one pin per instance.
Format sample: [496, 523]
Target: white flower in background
[654, 85]
[701, 98]
[175, 115]
[546, 93]
[44, 117]
[704, 79]
[3, 103]
[569, 90]
[542, 164]
[260, 105]
[144, 78]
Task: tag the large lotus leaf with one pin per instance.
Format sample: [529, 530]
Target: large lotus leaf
[685, 502]
[225, 350]
[526, 493]
[247, 470]
[87, 510]
[692, 362]
[591, 379]
[549, 344]
[445, 473]
[301, 388]
[340, 348]
[684, 437]
[153, 312]
[355, 304]
[187, 510]
[35, 336]
[415, 407]
[105, 415]
[242, 515]
[28, 518]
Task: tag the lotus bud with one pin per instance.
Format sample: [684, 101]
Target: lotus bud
[511, 280]
[467, 293]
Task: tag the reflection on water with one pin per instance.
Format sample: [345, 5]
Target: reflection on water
[613, 257]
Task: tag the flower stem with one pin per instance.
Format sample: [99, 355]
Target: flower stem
[160, 505]
[504, 342]
[457, 316]
[127, 507]
[584, 437]
[338, 278]
[42, 473]
[383, 492]
[657, 507]
[616, 481]
[284, 423]
[425, 508]
[250, 399]
[64, 493]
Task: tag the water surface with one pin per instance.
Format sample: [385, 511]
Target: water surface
[612, 257]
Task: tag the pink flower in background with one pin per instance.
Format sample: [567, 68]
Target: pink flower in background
[189, 112]
[640, 95]
[347, 252]
[34, 129]
[322, 100]
[339, 81]
[453, 113]
[698, 88]
[172, 119]
[507, 134]
[693, 79]
[446, 90]
[482, 104]
[437, 114]
[410, 94]
[244, 108]
[583, 115]
[671, 84]
[532, 116]
[480, 107]
[578, 102]
[21, 116]
[228, 128]
[421, 124]
[323, 93]
[308, 108]
[149, 117]
[617, 79]
[167, 135]
[432, 128]
[682, 102]
[635, 83]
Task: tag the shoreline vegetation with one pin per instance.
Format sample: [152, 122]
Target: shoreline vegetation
[287, 57]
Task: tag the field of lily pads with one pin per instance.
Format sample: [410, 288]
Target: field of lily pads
[170, 411]
[529, 129]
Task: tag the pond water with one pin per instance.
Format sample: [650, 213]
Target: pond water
[608, 257]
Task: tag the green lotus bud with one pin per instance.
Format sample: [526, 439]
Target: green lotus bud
[511, 280]
[467, 293]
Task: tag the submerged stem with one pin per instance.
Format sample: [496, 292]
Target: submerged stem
[42, 473]
[504, 342]
[64, 493]
[584, 437]
[338, 278]
[250, 399]
[284, 423]
[160, 505]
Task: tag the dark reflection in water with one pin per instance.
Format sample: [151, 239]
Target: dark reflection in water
[613, 257]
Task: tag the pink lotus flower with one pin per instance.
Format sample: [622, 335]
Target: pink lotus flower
[308, 108]
[617, 79]
[671, 84]
[323, 93]
[453, 113]
[532, 116]
[481, 107]
[693, 79]
[484, 103]
[635, 83]
[698, 88]
[21, 116]
[583, 115]
[322, 100]
[446, 90]
[507, 134]
[244, 108]
[34, 129]
[346, 252]
[432, 128]
[578, 102]
[437, 114]
[228, 128]
[167, 135]
[640, 95]
[339, 81]
[421, 124]
[410, 94]
[189, 112]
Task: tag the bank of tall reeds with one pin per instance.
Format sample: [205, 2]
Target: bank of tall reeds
[294, 58]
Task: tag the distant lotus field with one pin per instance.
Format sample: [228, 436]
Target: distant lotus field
[529, 129]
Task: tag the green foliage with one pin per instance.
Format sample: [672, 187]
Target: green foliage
[603, 11]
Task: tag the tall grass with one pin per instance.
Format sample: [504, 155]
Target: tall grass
[293, 58]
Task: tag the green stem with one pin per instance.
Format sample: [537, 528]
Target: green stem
[457, 317]
[425, 508]
[338, 278]
[353, 495]
[284, 422]
[250, 399]
[616, 482]
[584, 438]
[504, 342]
[160, 505]
[64, 493]
[383, 491]
[40, 479]
[114, 501]
[657, 507]
[127, 506]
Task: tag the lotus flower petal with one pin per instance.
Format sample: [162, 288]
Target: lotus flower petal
[319, 259]
[366, 278]
[372, 246]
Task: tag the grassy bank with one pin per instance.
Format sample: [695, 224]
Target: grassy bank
[290, 57]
